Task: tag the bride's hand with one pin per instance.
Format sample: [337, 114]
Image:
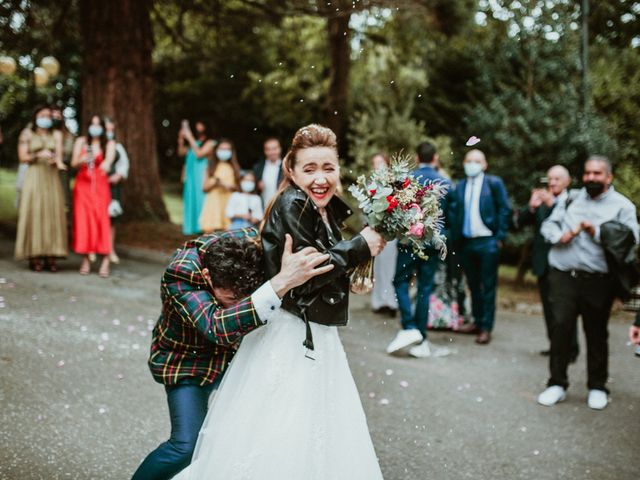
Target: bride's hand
[297, 268]
[374, 240]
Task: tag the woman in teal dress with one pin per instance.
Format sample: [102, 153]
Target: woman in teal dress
[196, 151]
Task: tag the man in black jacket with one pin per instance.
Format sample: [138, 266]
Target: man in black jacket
[541, 204]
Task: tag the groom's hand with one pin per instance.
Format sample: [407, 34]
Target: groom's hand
[297, 268]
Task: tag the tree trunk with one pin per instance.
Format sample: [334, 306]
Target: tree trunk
[340, 49]
[523, 264]
[118, 82]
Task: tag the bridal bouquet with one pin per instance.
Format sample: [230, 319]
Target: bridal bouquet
[399, 206]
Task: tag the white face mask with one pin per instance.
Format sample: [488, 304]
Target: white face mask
[248, 186]
[224, 154]
[472, 169]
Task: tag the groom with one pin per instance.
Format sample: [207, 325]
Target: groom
[212, 295]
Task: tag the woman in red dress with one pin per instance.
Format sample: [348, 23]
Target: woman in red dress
[93, 155]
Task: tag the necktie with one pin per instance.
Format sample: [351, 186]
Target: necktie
[466, 228]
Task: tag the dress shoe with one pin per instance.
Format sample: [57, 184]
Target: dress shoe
[468, 328]
[597, 399]
[426, 350]
[483, 338]
[404, 339]
[552, 395]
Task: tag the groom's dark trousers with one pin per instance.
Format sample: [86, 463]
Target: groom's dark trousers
[187, 409]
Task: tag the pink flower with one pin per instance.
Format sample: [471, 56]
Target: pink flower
[417, 229]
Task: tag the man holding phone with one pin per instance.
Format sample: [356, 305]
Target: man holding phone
[553, 191]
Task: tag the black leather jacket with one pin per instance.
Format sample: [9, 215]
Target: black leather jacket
[323, 299]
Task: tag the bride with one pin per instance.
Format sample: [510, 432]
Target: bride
[288, 408]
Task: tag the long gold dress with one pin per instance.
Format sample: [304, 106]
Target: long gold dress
[42, 224]
[213, 216]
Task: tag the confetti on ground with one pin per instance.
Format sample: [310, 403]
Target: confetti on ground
[404, 383]
[116, 321]
[389, 371]
[479, 399]
[101, 410]
[384, 401]
[472, 141]
[61, 318]
[61, 363]
[372, 395]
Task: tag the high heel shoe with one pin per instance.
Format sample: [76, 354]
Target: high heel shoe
[35, 264]
[51, 265]
[104, 268]
[85, 266]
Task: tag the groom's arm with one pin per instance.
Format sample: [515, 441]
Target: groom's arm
[223, 326]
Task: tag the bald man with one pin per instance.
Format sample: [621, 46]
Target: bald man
[480, 220]
[540, 206]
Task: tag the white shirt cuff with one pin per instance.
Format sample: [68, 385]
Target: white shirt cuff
[266, 301]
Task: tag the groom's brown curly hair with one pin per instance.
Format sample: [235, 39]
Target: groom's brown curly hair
[235, 263]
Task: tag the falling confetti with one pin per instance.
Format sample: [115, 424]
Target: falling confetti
[472, 141]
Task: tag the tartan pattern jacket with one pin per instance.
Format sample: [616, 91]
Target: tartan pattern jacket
[195, 338]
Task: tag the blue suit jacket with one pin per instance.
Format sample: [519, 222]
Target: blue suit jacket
[495, 207]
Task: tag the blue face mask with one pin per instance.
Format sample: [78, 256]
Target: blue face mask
[110, 136]
[95, 130]
[44, 122]
[472, 169]
[224, 154]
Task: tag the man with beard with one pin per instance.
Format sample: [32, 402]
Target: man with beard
[580, 281]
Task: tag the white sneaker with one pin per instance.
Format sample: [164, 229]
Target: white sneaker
[597, 399]
[552, 395]
[425, 350]
[404, 339]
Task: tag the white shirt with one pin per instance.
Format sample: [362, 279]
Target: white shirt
[472, 197]
[265, 301]
[122, 165]
[240, 203]
[270, 179]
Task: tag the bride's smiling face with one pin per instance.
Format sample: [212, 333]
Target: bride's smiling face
[317, 173]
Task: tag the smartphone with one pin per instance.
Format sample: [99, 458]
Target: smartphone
[543, 182]
[185, 124]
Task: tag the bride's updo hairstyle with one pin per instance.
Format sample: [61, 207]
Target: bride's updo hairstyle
[311, 136]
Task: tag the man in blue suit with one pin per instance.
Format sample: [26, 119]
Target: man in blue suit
[479, 227]
[414, 321]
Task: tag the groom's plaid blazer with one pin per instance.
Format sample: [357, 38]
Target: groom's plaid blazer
[195, 338]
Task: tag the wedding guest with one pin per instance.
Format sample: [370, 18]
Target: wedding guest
[93, 155]
[541, 204]
[414, 319]
[284, 400]
[222, 179]
[67, 139]
[42, 226]
[580, 281]
[197, 150]
[212, 295]
[479, 228]
[117, 175]
[383, 295]
[269, 171]
[244, 208]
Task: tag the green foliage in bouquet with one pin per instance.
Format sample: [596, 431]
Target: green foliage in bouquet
[399, 206]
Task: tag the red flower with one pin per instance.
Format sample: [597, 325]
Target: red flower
[393, 203]
[372, 192]
[406, 183]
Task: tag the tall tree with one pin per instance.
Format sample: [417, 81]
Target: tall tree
[117, 80]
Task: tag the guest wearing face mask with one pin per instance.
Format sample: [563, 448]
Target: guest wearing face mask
[42, 226]
[197, 151]
[117, 175]
[581, 281]
[67, 138]
[244, 208]
[223, 178]
[93, 155]
[480, 220]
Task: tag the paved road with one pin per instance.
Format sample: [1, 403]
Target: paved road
[77, 400]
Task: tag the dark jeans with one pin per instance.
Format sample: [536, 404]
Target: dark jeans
[406, 265]
[480, 259]
[188, 409]
[591, 297]
[545, 290]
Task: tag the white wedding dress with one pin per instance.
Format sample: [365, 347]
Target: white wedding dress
[281, 416]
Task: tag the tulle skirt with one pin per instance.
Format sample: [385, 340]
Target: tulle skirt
[281, 416]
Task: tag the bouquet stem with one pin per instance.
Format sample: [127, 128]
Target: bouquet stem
[362, 278]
